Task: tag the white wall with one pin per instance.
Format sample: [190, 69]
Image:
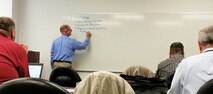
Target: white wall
[10, 8]
[6, 8]
[39, 20]
[15, 15]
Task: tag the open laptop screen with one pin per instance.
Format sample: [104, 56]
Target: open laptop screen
[35, 70]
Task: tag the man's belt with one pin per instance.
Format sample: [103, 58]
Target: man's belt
[62, 61]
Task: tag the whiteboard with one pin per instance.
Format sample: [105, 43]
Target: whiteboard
[122, 40]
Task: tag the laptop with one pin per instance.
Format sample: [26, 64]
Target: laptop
[35, 69]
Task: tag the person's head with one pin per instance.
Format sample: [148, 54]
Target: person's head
[7, 27]
[65, 30]
[176, 48]
[205, 38]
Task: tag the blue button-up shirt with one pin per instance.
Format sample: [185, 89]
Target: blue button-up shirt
[63, 48]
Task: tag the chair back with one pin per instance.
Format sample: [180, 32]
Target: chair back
[31, 86]
[143, 85]
[206, 88]
[64, 76]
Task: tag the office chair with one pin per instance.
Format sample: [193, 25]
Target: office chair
[31, 86]
[169, 80]
[143, 85]
[64, 76]
[206, 88]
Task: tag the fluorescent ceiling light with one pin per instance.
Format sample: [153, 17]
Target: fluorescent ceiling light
[198, 16]
[168, 23]
[128, 16]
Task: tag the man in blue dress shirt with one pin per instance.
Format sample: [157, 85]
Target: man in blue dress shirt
[63, 48]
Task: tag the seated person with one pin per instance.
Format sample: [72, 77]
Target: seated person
[103, 83]
[195, 70]
[13, 57]
[139, 71]
[167, 67]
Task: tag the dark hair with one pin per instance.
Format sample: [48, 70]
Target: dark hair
[7, 24]
[176, 47]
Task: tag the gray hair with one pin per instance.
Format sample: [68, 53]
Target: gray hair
[205, 36]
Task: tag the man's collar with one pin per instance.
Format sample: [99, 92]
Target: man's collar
[207, 50]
